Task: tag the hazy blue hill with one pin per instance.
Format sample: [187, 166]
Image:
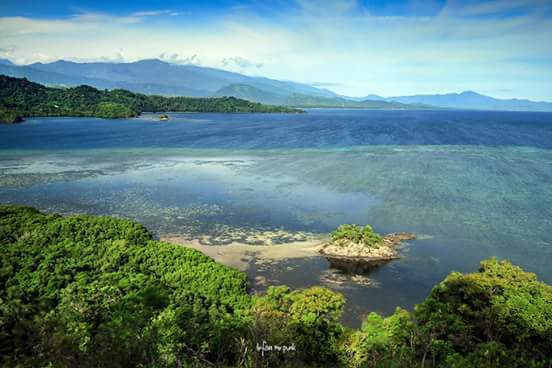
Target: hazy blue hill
[158, 77]
[374, 97]
[473, 100]
[368, 97]
[300, 100]
[6, 62]
[154, 76]
[251, 93]
[280, 97]
[170, 79]
[465, 100]
[147, 76]
[43, 77]
[288, 88]
[60, 79]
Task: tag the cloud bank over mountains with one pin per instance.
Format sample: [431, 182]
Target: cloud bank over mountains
[395, 48]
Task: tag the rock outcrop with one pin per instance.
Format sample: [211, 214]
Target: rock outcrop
[385, 250]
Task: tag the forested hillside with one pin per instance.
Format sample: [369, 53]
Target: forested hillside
[87, 291]
[20, 98]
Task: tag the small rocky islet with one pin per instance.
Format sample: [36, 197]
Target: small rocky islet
[361, 244]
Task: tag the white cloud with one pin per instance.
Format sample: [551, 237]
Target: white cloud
[154, 13]
[7, 51]
[95, 18]
[365, 53]
[10, 26]
[41, 57]
[176, 58]
[149, 13]
[240, 63]
[79, 22]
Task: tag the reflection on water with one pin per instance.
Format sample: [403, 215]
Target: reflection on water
[478, 184]
[355, 268]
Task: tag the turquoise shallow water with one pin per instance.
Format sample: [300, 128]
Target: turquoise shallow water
[473, 184]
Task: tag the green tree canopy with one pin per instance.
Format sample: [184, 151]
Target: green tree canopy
[20, 97]
[94, 291]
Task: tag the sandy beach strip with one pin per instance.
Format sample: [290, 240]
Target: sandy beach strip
[239, 255]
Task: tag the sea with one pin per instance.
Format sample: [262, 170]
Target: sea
[470, 184]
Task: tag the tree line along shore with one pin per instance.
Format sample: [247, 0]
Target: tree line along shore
[96, 291]
[20, 98]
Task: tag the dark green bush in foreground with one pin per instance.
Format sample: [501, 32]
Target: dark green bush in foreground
[97, 291]
[88, 291]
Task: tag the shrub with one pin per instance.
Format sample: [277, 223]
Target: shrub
[499, 314]
[93, 291]
[97, 291]
[382, 341]
[357, 234]
[308, 319]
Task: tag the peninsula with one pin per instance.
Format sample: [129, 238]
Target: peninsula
[21, 98]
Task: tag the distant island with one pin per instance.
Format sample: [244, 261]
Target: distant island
[21, 98]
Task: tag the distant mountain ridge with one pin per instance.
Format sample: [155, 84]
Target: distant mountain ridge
[474, 100]
[6, 62]
[333, 102]
[153, 76]
[251, 93]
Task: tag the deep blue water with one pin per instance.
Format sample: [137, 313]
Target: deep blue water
[317, 129]
[473, 184]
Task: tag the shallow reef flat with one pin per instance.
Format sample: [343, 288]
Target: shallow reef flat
[262, 249]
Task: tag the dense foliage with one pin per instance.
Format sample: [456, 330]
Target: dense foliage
[308, 319]
[500, 316]
[20, 97]
[85, 291]
[10, 117]
[357, 234]
[97, 291]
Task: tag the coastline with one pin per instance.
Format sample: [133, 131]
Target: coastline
[239, 255]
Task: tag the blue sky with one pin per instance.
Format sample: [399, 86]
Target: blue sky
[501, 48]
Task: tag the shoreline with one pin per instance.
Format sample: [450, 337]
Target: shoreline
[240, 255]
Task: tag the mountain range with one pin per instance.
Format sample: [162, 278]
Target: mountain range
[153, 76]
